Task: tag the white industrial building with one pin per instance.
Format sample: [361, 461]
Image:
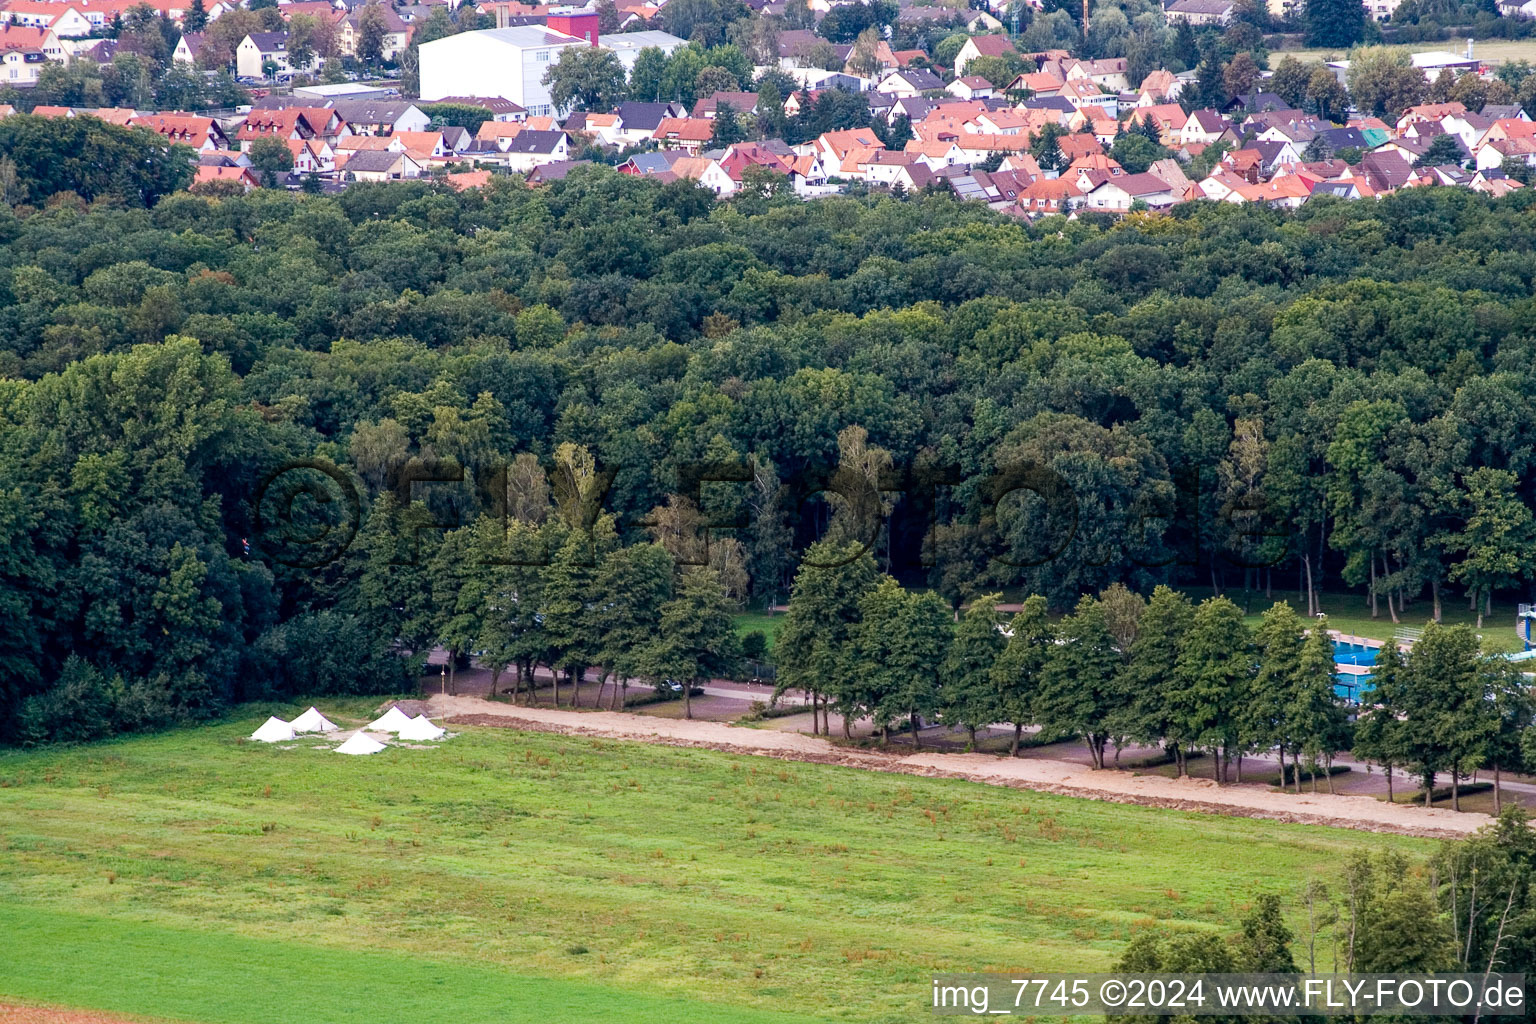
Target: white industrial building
[505, 62]
[629, 44]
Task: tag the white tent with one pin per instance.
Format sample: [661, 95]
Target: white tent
[421, 728]
[312, 721]
[391, 721]
[360, 744]
[273, 730]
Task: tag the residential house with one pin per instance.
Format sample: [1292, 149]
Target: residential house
[730, 169]
[282, 124]
[1385, 172]
[64, 19]
[1039, 84]
[1159, 86]
[1077, 145]
[396, 32]
[260, 52]
[1167, 118]
[20, 68]
[1203, 126]
[797, 46]
[1273, 154]
[1084, 93]
[1170, 170]
[1429, 112]
[1346, 188]
[832, 147]
[1087, 171]
[223, 158]
[501, 109]
[426, 148]
[982, 46]
[201, 133]
[684, 133]
[312, 156]
[1108, 74]
[1201, 12]
[1257, 102]
[1443, 174]
[1246, 163]
[1493, 154]
[1494, 183]
[650, 164]
[639, 121]
[531, 148]
[971, 87]
[379, 165]
[1220, 183]
[460, 181]
[603, 127]
[1335, 139]
[382, 117]
[1117, 193]
[1009, 121]
[1047, 196]
[205, 175]
[1286, 191]
[909, 82]
[188, 47]
[740, 102]
[38, 40]
[555, 170]
[914, 110]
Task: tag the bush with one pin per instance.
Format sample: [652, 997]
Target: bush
[83, 705]
[322, 653]
[754, 645]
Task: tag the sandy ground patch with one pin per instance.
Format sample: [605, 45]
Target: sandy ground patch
[1040, 774]
[46, 1015]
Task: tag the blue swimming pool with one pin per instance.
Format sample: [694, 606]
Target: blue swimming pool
[1351, 685]
[1352, 654]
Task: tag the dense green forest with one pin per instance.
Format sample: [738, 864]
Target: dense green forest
[1220, 396]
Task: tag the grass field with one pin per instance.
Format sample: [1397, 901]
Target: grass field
[1349, 613]
[746, 622]
[515, 877]
[1493, 51]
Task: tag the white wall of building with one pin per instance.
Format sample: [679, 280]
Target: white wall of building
[505, 62]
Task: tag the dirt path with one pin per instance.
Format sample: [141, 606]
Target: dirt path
[47, 1015]
[1063, 777]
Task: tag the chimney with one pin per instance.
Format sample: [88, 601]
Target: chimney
[1085, 20]
[1469, 47]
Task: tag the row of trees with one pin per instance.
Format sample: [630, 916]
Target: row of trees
[548, 588]
[1119, 670]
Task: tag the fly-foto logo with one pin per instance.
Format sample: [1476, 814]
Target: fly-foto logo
[307, 513]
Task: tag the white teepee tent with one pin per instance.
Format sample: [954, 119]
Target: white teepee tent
[312, 721]
[391, 721]
[421, 728]
[360, 744]
[273, 730]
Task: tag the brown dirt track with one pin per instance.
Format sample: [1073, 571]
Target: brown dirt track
[52, 1015]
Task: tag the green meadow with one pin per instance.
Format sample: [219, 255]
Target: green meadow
[511, 877]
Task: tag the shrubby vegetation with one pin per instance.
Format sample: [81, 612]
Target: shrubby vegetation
[1341, 395]
[1470, 913]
